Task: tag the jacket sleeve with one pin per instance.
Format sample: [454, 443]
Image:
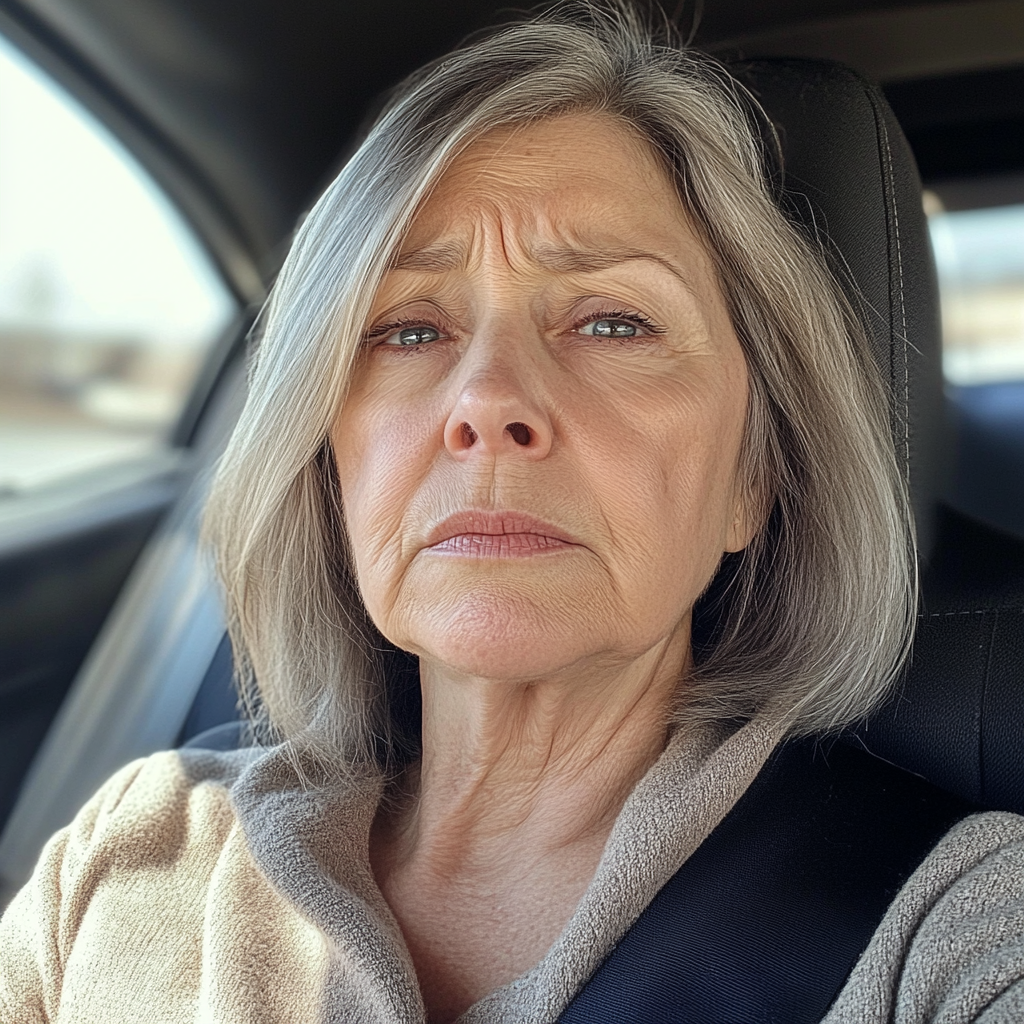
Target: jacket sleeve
[951, 946]
[966, 959]
[38, 927]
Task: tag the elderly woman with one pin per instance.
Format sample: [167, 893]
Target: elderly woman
[543, 361]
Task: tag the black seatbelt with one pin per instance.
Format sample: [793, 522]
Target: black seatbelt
[764, 923]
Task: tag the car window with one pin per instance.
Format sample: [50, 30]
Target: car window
[980, 259]
[107, 302]
[977, 231]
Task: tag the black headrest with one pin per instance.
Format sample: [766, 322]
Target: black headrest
[849, 178]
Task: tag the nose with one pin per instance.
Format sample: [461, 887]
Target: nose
[497, 412]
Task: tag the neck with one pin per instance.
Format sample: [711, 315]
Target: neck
[504, 825]
[539, 765]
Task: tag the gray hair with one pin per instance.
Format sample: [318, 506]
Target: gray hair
[815, 615]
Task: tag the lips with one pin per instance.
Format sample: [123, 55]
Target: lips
[497, 534]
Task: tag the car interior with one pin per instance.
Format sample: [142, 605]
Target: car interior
[891, 133]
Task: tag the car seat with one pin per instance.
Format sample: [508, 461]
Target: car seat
[848, 176]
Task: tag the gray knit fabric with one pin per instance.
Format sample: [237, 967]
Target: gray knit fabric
[951, 947]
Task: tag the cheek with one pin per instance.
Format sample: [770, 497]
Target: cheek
[383, 450]
[704, 467]
[663, 458]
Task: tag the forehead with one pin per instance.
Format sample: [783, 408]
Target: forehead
[576, 178]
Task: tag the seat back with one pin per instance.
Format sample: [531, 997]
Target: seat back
[845, 174]
[848, 177]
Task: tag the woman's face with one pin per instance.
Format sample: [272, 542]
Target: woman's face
[552, 355]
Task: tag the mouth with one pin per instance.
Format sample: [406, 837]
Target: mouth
[497, 535]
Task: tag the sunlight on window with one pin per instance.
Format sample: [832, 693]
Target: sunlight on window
[980, 258]
[107, 303]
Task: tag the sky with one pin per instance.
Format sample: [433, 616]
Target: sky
[86, 240]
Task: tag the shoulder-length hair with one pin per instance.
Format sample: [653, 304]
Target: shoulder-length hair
[815, 615]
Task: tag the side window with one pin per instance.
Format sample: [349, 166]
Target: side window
[977, 231]
[107, 302]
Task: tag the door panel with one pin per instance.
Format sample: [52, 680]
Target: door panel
[53, 600]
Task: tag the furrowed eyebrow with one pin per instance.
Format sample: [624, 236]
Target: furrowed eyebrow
[569, 260]
[439, 259]
[434, 259]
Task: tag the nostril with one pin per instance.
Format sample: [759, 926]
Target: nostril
[468, 435]
[520, 433]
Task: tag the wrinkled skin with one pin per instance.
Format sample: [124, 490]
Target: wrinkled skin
[552, 341]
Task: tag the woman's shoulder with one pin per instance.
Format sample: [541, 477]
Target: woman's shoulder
[951, 945]
[162, 796]
[132, 865]
[973, 877]
[972, 843]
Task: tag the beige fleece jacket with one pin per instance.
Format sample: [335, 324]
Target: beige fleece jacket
[202, 887]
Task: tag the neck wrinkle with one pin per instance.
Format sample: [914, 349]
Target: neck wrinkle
[545, 786]
[538, 759]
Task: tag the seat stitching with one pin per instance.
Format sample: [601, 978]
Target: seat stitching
[975, 611]
[903, 309]
[982, 697]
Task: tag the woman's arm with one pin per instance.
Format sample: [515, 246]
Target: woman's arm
[39, 927]
[951, 946]
[30, 957]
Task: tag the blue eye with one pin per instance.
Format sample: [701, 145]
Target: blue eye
[622, 324]
[614, 329]
[413, 336]
[610, 327]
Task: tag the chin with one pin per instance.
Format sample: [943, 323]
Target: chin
[501, 639]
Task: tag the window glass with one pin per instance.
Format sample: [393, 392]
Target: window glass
[977, 230]
[107, 302]
[980, 259]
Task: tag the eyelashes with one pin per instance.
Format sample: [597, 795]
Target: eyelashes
[384, 330]
[629, 316]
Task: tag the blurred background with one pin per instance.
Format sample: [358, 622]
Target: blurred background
[980, 259]
[107, 304]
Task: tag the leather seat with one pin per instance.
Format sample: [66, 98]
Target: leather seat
[844, 172]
